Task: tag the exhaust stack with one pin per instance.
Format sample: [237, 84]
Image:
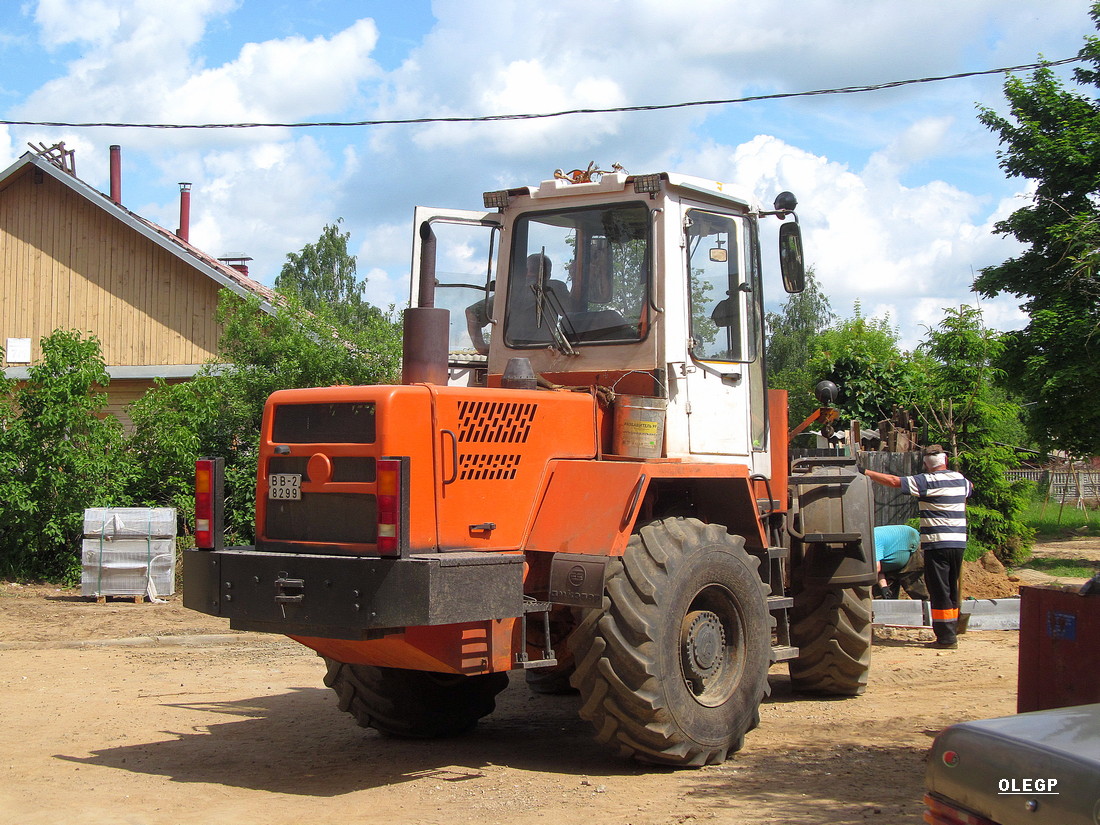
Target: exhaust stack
[427, 329]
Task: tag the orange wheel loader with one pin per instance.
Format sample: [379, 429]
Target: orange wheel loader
[582, 477]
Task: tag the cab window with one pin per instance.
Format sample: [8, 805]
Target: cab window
[579, 277]
[724, 298]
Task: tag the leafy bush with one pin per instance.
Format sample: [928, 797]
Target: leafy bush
[58, 456]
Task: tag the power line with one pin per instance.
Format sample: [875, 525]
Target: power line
[844, 90]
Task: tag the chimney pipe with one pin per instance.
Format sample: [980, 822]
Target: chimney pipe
[116, 174]
[237, 262]
[185, 211]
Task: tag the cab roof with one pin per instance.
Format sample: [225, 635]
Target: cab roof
[562, 186]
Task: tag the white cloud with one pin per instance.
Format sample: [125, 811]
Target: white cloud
[899, 189]
[280, 80]
[383, 257]
[141, 66]
[259, 192]
[905, 252]
[8, 154]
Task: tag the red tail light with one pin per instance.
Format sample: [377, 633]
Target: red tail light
[389, 497]
[208, 487]
[941, 813]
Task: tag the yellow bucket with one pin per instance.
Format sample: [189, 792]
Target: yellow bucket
[638, 426]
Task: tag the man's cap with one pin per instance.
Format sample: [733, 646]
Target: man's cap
[933, 449]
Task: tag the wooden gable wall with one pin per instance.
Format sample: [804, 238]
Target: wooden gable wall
[67, 263]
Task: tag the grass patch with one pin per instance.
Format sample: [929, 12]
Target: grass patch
[1064, 568]
[1053, 521]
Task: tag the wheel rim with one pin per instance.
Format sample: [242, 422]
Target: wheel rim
[711, 646]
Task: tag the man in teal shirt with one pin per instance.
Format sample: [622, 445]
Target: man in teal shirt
[900, 561]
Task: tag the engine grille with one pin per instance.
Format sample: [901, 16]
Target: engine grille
[487, 467]
[494, 422]
[484, 423]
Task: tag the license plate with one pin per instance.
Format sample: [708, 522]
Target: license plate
[284, 486]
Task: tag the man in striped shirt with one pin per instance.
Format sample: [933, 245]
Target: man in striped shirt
[941, 496]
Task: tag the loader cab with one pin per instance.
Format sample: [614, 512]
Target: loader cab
[651, 285]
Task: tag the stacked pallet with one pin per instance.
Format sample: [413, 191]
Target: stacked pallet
[129, 551]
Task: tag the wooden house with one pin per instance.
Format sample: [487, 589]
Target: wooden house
[72, 257]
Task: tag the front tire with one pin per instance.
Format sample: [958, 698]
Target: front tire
[413, 704]
[673, 668]
[831, 627]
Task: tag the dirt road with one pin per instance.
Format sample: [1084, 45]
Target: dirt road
[141, 714]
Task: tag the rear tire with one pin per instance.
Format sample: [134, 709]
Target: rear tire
[831, 627]
[413, 704]
[673, 668]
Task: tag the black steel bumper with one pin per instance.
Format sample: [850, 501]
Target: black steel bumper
[350, 597]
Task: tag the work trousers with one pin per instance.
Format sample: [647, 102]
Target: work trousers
[942, 568]
[910, 578]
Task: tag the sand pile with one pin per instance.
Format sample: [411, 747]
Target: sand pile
[981, 582]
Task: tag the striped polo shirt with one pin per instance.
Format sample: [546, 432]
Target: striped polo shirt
[942, 507]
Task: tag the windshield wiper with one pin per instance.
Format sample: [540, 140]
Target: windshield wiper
[548, 304]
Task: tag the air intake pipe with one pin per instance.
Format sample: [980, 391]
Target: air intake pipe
[426, 329]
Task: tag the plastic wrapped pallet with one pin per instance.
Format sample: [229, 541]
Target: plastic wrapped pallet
[130, 522]
[129, 551]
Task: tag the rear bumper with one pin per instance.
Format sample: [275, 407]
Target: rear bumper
[350, 597]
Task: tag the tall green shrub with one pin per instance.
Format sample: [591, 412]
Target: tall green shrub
[969, 416]
[58, 456]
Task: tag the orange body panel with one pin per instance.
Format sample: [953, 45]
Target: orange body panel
[587, 507]
[777, 424]
[472, 648]
[504, 441]
[471, 450]
[592, 507]
[402, 428]
[501, 470]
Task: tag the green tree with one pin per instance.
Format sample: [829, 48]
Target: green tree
[792, 333]
[323, 275]
[969, 417]
[861, 356]
[59, 454]
[1050, 137]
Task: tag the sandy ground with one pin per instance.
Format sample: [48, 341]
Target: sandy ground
[150, 713]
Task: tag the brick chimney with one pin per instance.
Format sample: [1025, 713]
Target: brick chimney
[116, 174]
[185, 212]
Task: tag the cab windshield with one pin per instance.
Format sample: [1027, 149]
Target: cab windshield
[579, 277]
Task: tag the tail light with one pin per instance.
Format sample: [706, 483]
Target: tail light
[392, 506]
[941, 813]
[209, 496]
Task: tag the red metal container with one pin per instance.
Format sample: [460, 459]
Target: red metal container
[1059, 649]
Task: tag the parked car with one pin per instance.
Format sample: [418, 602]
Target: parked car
[1040, 768]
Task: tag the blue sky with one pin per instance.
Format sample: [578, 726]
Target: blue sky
[898, 189]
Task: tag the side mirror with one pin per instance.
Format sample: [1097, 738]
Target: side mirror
[790, 257]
